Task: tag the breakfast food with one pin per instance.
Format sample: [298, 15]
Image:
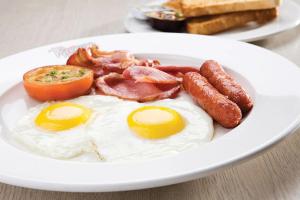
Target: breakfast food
[212, 16]
[113, 130]
[226, 85]
[177, 71]
[57, 130]
[208, 25]
[149, 75]
[115, 84]
[114, 107]
[174, 5]
[134, 131]
[58, 82]
[155, 122]
[196, 8]
[214, 103]
[104, 62]
[62, 116]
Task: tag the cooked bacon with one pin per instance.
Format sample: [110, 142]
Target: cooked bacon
[115, 84]
[176, 69]
[148, 62]
[123, 57]
[114, 61]
[81, 58]
[106, 61]
[149, 75]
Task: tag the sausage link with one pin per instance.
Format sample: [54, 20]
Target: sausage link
[220, 108]
[226, 85]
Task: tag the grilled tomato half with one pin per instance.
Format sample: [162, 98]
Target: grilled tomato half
[58, 82]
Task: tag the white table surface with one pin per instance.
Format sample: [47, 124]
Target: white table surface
[27, 24]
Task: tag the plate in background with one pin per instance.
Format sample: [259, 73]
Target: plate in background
[289, 17]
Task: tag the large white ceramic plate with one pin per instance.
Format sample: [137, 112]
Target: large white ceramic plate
[289, 17]
[272, 81]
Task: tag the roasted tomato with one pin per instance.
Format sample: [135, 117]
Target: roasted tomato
[58, 82]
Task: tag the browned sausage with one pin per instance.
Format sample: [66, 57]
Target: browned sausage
[220, 108]
[226, 85]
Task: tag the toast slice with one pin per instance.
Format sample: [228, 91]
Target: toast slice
[195, 8]
[174, 5]
[208, 25]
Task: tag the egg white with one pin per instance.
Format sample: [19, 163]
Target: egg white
[63, 144]
[106, 136]
[116, 142]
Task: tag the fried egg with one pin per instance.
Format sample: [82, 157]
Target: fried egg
[59, 129]
[114, 130]
[139, 131]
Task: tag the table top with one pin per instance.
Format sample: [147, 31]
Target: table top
[275, 174]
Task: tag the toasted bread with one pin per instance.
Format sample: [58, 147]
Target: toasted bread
[173, 4]
[195, 8]
[208, 25]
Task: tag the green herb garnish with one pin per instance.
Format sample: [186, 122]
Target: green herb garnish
[53, 73]
[81, 72]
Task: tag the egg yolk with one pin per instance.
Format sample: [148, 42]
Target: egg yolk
[154, 122]
[62, 116]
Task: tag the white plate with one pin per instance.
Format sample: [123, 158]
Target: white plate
[289, 17]
[272, 81]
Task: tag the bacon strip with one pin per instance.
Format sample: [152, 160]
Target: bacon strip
[114, 61]
[176, 69]
[104, 62]
[81, 58]
[115, 84]
[149, 75]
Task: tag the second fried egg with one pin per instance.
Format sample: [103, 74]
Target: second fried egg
[164, 128]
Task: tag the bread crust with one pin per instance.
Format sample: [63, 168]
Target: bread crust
[195, 8]
[208, 25]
